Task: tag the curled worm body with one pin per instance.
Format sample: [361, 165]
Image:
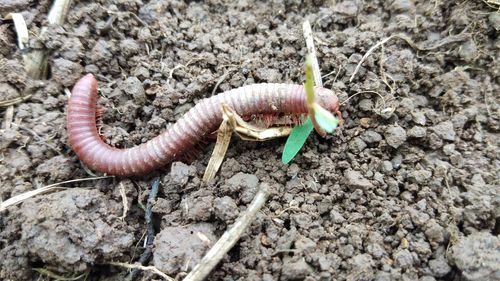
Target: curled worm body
[202, 119]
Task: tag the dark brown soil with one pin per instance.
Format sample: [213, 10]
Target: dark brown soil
[405, 194]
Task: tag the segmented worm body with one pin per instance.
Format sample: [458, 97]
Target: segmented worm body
[201, 120]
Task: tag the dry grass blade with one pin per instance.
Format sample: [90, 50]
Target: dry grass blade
[8, 116]
[36, 62]
[58, 277]
[495, 4]
[124, 201]
[10, 102]
[58, 12]
[223, 139]
[249, 132]
[21, 29]
[24, 196]
[22, 42]
[232, 122]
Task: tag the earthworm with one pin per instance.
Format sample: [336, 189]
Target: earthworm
[201, 120]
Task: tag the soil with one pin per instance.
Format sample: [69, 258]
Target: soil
[406, 190]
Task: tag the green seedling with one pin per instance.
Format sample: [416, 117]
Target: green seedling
[318, 118]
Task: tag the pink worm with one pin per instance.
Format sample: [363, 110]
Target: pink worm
[197, 123]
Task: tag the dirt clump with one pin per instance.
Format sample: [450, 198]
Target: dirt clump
[181, 248]
[477, 256]
[67, 231]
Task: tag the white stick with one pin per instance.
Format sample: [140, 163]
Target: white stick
[306, 27]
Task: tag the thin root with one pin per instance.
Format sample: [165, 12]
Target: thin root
[171, 73]
[451, 39]
[221, 79]
[141, 267]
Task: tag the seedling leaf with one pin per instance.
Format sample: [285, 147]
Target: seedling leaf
[299, 134]
[325, 119]
[319, 118]
[296, 140]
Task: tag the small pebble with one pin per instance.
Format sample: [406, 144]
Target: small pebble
[395, 136]
[295, 270]
[494, 19]
[444, 130]
[179, 172]
[402, 6]
[459, 121]
[420, 176]
[449, 149]
[397, 161]
[336, 216]
[386, 167]
[357, 145]
[419, 118]
[478, 137]
[356, 180]
[133, 86]
[371, 137]
[365, 105]
[346, 251]
[129, 47]
[439, 266]
[226, 208]
[403, 259]
[417, 132]
[468, 51]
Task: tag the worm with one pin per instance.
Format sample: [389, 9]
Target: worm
[201, 120]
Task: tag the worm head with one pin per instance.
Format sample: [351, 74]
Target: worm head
[327, 99]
